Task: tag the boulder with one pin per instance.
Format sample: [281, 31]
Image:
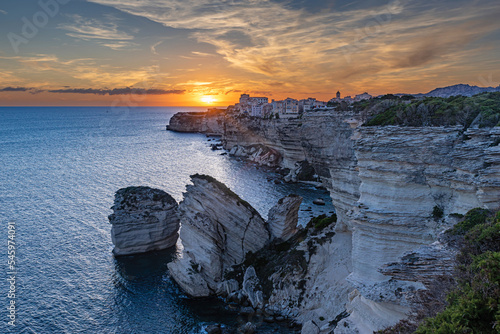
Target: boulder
[251, 288]
[310, 328]
[238, 151]
[143, 220]
[283, 217]
[249, 328]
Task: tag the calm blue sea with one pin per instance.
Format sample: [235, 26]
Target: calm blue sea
[60, 168]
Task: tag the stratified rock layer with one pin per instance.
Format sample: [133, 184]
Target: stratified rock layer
[283, 217]
[210, 123]
[385, 183]
[405, 174]
[218, 229]
[144, 220]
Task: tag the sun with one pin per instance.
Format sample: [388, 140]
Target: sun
[208, 99]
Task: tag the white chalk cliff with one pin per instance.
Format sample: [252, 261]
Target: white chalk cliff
[218, 230]
[385, 183]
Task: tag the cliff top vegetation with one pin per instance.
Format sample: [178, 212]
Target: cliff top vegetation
[482, 110]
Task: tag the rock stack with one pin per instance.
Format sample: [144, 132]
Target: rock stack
[218, 230]
[143, 220]
[283, 217]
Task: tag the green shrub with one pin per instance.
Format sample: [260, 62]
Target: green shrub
[482, 109]
[472, 218]
[321, 221]
[437, 212]
[474, 306]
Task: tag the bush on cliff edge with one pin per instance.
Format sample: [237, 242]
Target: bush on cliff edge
[474, 306]
[472, 303]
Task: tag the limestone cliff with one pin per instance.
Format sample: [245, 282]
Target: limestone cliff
[218, 229]
[393, 189]
[407, 174]
[143, 220]
[210, 123]
[385, 183]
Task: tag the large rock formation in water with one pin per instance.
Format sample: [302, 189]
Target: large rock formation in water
[218, 230]
[143, 220]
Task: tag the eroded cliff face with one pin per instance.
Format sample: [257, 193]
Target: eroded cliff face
[321, 139]
[406, 174]
[210, 123]
[385, 183]
[218, 230]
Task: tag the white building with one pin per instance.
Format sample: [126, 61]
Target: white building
[252, 105]
[259, 100]
[278, 107]
[244, 99]
[257, 110]
[291, 108]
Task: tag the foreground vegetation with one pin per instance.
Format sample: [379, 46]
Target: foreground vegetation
[474, 305]
[482, 110]
[473, 301]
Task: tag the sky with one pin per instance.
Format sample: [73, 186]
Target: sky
[205, 52]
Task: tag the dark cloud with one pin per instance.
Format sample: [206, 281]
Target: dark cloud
[118, 91]
[115, 91]
[21, 89]
[15, 89]
[315, 6]
[233, 91]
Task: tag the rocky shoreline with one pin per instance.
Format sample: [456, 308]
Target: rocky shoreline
[224, 239]
[386, 183]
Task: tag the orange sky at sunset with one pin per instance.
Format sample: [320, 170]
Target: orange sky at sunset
[178, 53]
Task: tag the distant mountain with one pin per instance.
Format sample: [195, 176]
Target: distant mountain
[461, 89]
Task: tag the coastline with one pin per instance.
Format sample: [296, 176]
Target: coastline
[352, 162]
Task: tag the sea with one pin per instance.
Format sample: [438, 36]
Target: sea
[60, 168]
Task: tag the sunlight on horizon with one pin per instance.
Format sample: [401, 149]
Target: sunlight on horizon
[208, 99]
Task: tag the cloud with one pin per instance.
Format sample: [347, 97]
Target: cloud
[202, 54]
[196, 83]
[83, 72]
[154, 46]
[283, 42]
[115, 91]
[30, 90]
[3, 12]
[118, 91]
[119, 45]
[15, 89]
[106, 34]
[233, 91]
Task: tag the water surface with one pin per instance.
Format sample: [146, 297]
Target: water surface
[60, 168]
